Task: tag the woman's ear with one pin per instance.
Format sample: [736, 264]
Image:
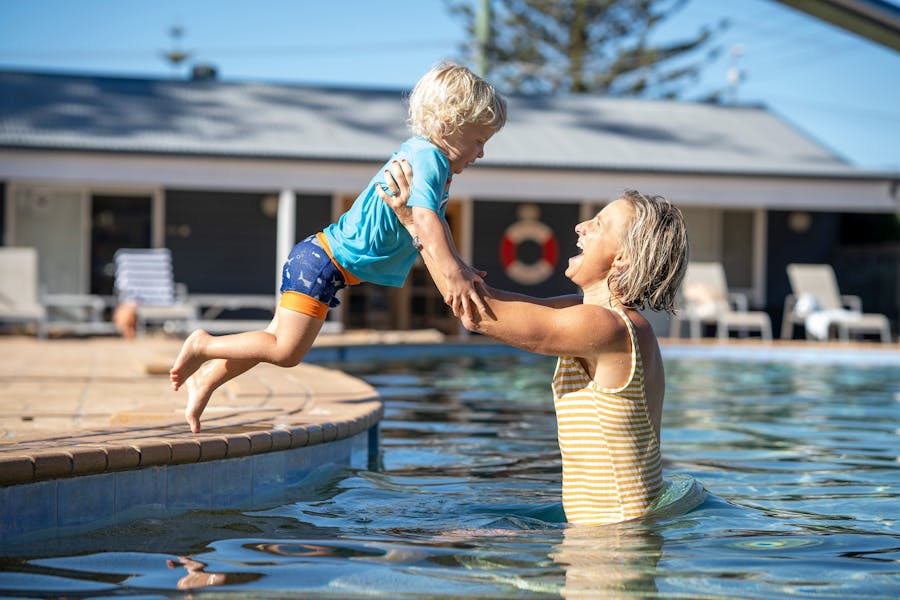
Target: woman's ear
[620, 262]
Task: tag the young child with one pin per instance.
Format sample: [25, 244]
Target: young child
[452, 114]
[609, 382]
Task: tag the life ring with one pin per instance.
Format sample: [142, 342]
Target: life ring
[528, 229]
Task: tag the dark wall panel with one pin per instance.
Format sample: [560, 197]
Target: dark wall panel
[521, 232]
[815, 244]
[221, 242]
[313, 214]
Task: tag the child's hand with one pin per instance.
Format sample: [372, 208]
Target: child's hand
[465, 292]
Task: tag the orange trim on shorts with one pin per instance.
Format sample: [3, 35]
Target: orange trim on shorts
[349, 278]
[303, 304]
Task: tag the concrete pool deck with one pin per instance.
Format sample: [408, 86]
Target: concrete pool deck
[90, 428]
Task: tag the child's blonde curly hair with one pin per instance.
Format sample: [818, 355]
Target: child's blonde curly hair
[450, 96]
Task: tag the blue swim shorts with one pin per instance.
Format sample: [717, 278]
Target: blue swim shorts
[310, 271]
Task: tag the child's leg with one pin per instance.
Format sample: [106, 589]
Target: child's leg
[294, 334]
[207, 379]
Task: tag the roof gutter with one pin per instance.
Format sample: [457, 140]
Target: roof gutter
[875, 20]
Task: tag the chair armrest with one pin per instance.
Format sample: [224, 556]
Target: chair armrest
[787, 318]
[94, 304]
[212, 305]
[789, 302]
[181, 292]
[854, 303]
[739, 301]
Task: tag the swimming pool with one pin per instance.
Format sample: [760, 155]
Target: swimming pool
[801, 462]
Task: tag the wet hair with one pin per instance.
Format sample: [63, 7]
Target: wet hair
[450, 96]
[656, 248]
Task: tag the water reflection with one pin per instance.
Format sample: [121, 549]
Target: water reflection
[195, 577]
[613, 561]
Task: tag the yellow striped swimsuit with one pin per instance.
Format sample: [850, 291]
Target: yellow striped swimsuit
[612, 469]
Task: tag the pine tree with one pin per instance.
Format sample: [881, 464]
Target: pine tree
[583, 46]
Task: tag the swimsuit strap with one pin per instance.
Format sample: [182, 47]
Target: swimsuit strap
[635, 348]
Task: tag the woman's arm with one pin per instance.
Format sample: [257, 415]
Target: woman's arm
[563, 301]
[561, 326]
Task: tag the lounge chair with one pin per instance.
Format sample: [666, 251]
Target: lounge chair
[706, 300]
[77, 314]
[816, 302]
[211, 306]
[144, 276]
[19, 295]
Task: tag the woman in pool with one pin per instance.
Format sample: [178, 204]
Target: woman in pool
[609, 382]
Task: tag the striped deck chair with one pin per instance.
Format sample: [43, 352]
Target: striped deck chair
[145, 277]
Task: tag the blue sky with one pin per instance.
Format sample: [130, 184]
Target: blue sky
[840, 89]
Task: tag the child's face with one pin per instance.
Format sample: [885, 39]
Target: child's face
[465, 146]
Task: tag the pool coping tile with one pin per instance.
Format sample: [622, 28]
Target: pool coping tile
[120, 457]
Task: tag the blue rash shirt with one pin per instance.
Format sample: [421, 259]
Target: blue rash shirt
[369, 240]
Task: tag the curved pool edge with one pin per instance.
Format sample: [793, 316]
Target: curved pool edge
[94, 436]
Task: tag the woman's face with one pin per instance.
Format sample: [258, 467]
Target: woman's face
[600, 241]
[464, 146]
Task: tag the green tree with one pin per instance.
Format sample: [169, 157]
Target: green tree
[583, 46]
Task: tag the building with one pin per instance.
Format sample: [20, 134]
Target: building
[229, 175]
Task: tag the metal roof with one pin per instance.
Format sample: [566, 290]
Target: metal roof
[215, 118]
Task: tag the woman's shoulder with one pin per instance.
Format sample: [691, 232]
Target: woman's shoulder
[605, 325]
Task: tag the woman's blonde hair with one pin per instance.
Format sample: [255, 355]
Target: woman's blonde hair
[656, 251]
[450, 96]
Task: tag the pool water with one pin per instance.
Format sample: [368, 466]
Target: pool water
[800, 462]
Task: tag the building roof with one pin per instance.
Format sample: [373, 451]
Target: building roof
[213, 118]
[875, 20]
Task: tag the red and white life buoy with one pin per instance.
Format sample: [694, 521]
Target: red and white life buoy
[529, 229]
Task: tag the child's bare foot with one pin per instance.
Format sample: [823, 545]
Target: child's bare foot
[189, 359]
[199, 394]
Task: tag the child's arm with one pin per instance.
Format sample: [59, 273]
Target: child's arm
[402, 175]
[464, 287]
[554, 326]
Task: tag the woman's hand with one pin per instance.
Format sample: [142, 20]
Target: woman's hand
[395, 191]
